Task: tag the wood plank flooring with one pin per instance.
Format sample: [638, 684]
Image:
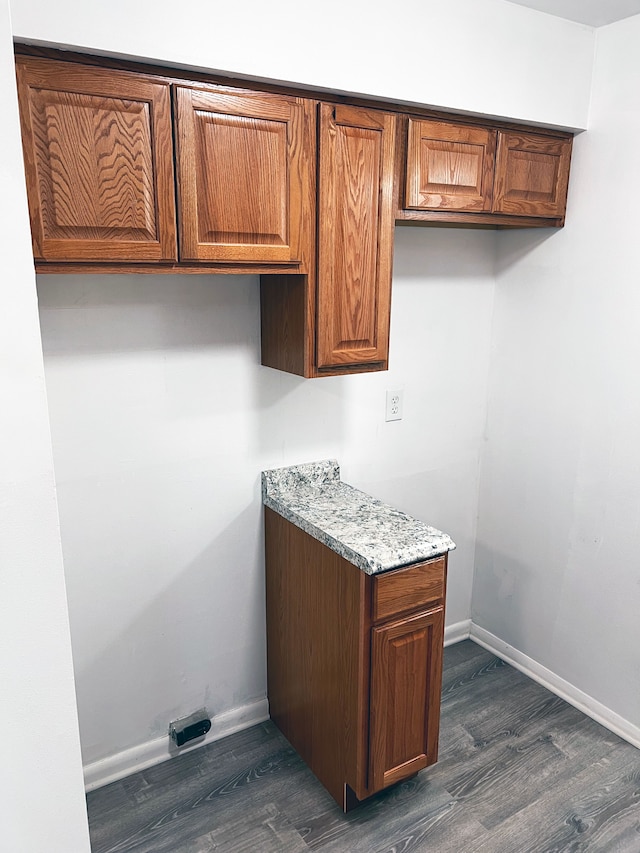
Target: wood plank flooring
[520, 771]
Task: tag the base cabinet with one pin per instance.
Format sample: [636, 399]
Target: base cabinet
[354, 662]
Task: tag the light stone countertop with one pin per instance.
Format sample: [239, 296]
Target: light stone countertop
[365, 531]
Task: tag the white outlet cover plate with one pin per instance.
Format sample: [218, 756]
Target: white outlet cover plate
[393, 408]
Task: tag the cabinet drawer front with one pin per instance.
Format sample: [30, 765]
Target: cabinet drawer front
[407, 589]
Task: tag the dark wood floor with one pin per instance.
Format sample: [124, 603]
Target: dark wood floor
[520, 771]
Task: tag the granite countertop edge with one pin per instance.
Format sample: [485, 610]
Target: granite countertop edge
[372, 535]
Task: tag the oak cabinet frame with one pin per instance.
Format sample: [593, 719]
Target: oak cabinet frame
[481, 176]
[245, 175]
[354, 662]
[98, 163]
[134, 169]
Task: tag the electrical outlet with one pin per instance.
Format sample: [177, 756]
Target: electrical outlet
[393, 410]
[196, 725]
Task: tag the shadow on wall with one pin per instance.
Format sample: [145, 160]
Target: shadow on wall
[213, 317]
[507, 600]
[442, 254]
[449, 253]
[120, 313]
[516, 244]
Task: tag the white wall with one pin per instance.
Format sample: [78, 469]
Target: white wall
[484, 56]
[559, 533]
[162, 419]
[42, 802]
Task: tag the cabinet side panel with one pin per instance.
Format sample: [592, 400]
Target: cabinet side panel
[288, 650]
[285, 327]
[315, 641]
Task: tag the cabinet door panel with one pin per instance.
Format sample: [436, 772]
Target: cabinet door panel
[406, 679]
[98, 161]
[532, 174]
[355, 235]
[243, 175]
[449, 166]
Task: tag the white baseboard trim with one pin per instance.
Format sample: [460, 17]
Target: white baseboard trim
[458, 632]
[582, 701]
[158, 750]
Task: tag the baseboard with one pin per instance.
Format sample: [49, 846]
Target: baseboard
[458, 632]
[156, 751]
[582, 701]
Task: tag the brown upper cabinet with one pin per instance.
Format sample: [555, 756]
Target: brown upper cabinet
[468, 174]
[99, 163]
[244, 165]
[133, 171]
[449, 167]
[532, 175]
[99, 160]
[355, 238]
[336, 319]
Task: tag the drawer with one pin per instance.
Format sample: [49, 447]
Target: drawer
[401, 590]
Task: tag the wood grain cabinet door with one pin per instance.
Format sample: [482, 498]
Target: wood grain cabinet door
[449, 166]
[532, 174]
[98, 161]
[245, 178]
[355, 235]
[406, 681]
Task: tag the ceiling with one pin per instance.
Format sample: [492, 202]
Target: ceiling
[595, 13]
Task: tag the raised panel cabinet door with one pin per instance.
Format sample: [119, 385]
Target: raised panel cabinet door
[245, 177]
[406, 683]
[98, 161]
[355, 235]
[449, 166]
[532, 174]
